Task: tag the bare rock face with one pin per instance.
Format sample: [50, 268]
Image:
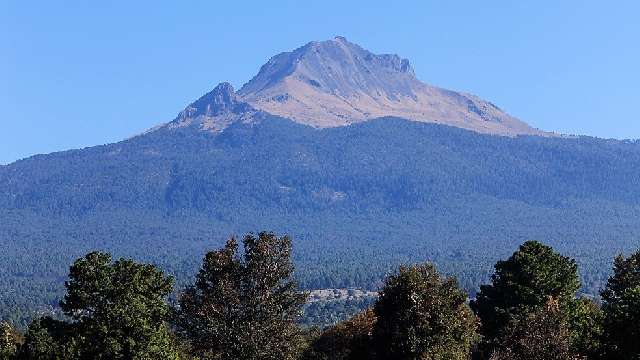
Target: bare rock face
[336, 83]
[215, 111]
[336, 68]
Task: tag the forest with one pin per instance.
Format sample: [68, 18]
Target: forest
[244, 303]
[357, 201]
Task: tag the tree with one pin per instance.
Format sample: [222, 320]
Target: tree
[244, 307]
[9, 340]
[621, 308]
[540, 335]
[585, 320]
[422, 315]
[119, 309]
[48, 339]
[522, 284]
[347, 340]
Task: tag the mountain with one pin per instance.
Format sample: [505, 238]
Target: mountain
[357, 199]
[336, 83]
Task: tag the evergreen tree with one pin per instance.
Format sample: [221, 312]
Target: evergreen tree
[585, 321]
[49, 339]
[621, 307]
[119, 309]
[244, 307]
[422, 315]
[347, 340]
[9, 339]
[522, 284]
[540, 335]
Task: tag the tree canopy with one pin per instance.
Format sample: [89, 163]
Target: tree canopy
[540, 335]
[422, 315]
[245, 304]
[244, 307]
[523, 283]
[621, 308]
[347, 340]
[118, 311]
[9, 340]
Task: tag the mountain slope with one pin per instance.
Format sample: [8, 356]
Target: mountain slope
[358, 200]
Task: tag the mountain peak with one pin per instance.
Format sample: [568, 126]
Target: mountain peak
[215, 110]
[224, 88]
[219, 100]
[334, 66]
[336, 82]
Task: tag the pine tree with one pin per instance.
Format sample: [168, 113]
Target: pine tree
[48, 339]
[244, 307]
[119, 309]
[522, 284]
[422, 315]
[621, 308]
[9, 339]
[540, 335]
[585, 320]
[347, 340]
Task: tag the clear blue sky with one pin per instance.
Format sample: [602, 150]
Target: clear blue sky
[75, 74]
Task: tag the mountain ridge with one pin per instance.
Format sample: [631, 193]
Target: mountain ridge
[337, 83]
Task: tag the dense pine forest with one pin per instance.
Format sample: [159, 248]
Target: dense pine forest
[244, 303]
[358, 201]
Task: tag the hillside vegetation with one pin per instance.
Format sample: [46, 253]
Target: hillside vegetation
[244, 303]
[357, 200]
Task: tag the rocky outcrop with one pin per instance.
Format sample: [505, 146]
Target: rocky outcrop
[216, 110]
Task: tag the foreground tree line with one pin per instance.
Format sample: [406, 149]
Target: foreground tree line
[244, 304]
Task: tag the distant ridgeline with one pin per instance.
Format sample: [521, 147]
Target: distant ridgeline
[358, 199]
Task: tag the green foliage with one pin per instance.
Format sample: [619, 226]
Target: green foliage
[540, 335]
[49, 339]
[359, 200]
[422, 315]
[585, 320]
[119, 309]
[522, 284]
[347, 340]
[9, 341]
[621, 307]
[244, 307]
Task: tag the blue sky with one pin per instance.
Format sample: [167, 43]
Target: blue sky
[88, 73]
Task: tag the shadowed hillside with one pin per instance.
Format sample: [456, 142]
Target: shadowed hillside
[358, 200]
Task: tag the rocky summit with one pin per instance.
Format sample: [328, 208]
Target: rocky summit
[336, 83]
[216, 110]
